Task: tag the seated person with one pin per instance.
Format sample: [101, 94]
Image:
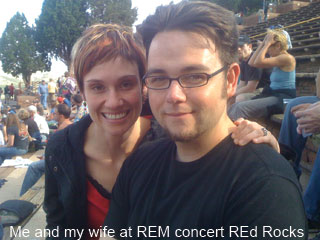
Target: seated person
[18, 141]
[62, 114]
[250, 76]
[36, 169]
[282, 79]
[40, 121]
[301, 119]
[33, 128]
[79, 108]
[65, 101]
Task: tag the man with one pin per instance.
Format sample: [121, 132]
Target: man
[40, 121]
[62, 114]
[79, 108]
[51, 90]
[200, 184]
[11, 89]
[6, 94]
[250, 76]
[36, 169]
[302, 119]
[43, 91]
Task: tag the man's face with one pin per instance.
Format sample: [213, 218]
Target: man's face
[244, 51]
[186, 113]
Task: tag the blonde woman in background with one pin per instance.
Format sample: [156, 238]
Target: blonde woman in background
[282, 78]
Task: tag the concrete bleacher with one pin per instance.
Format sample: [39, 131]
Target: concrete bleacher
[11, 190]
[303, 26]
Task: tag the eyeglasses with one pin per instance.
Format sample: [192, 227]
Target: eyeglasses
[192, 80]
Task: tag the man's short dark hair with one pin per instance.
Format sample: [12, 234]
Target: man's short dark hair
[77, 98]
[243, 39]
[64, 110]
[207, 19]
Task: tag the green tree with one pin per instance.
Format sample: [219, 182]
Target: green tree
[112, 11]
[18, 51]
[59, 25]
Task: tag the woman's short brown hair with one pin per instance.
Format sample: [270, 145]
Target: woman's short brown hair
[101, 43]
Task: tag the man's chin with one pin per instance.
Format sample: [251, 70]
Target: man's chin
[183, 137]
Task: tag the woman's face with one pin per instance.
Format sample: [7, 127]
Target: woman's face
[274, 50]
[113, 94]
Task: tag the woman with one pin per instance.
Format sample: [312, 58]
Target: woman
[282, 78]
[18, 142]
[83, 160]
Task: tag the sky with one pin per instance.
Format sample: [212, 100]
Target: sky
[32, 10]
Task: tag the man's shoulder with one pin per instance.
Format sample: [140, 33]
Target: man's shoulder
[262, 159]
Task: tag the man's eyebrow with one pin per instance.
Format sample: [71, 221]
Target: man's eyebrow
[196, 67]
[154, 71]
[190, 68]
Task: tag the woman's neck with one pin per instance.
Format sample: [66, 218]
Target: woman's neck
[116, 147]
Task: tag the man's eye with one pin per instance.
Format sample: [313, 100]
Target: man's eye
[157, 79]
[194, 78]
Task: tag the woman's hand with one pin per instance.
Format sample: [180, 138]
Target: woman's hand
[247, 131]
[269, 39]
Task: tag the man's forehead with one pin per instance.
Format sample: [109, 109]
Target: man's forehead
[187, 38]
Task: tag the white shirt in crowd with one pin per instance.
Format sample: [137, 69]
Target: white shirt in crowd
[42, 124]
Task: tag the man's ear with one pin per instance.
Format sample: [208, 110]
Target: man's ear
[232, 79]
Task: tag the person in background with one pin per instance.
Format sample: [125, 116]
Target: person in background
[2, 141]
[11, 88]
[41, 123]
[43, 91]
[79, 108]
[33, 129]
[52, 88]
[250, 76]
[18, 142]
[40, 109]
[282, 78]
[64, 100]
[37, 169]
[6, 94]
[62, 116]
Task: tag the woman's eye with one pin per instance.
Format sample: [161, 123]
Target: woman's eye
[98, 88]
[127, 84]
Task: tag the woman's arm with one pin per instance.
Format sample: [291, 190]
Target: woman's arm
[256, 53]
[247, 131]
[259, 59]
[10, 142]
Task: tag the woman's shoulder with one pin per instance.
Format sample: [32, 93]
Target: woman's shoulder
[289, 62]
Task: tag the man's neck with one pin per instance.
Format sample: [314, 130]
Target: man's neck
[197, 148]
[247, 57]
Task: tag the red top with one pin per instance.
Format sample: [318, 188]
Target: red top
[98, 207]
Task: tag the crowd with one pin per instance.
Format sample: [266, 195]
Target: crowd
[195, 163]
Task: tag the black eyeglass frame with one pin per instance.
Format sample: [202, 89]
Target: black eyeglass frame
[209, 76]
